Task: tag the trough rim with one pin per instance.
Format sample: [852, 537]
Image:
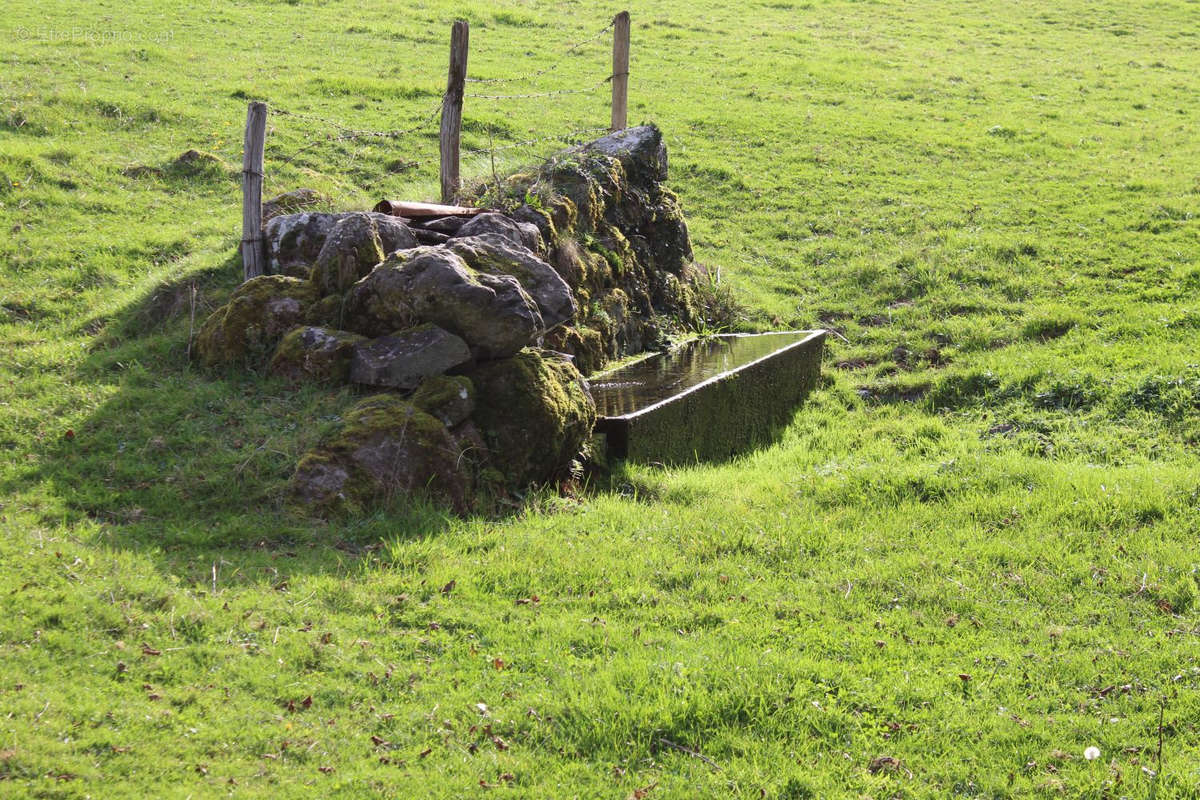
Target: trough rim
[815, 333]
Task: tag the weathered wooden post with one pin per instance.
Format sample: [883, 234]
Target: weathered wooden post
[452, 105]
[253, 252]
[620, 70]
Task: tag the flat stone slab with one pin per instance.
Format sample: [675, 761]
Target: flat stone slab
[403, 359]
[707, 399]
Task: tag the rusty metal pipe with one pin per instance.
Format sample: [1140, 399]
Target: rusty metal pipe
[400, 208]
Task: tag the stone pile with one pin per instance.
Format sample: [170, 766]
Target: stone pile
[470, 334]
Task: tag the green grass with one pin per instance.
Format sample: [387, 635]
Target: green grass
[993, 204]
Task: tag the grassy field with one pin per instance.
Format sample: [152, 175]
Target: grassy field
[972, 556]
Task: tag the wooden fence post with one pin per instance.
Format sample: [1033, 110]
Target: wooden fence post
[620, 71]
[452, 105]
[253, 252]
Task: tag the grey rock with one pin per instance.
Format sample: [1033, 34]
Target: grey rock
[355, 244]
[528, 215]
[295, 240]
[640, 150]
[497, 255]
[402, 360]
[492, 313]
[522, 233]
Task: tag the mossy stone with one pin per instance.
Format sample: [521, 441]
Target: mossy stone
[327, 312]
[535, 412]
[258, 314]
[315, 354]
[450, 398]
[386, 450]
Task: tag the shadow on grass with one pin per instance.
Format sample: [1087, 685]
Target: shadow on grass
[188, 465]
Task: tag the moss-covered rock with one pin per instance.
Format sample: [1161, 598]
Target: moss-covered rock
[450, 398]
[386, 450]
[258, 314]
[585, 344]
[326, 312]
[613, 232]
[535, 414]
[315, 354]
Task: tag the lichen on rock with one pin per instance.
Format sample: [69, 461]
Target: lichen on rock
[522, 234]
[403, 359]
[294, 241]
[492, 313]
[355, 244]
[499, 255]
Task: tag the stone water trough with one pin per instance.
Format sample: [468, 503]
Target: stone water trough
[708, 398]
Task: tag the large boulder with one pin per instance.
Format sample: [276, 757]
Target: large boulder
[499, 255]
[536, 413]
[523, 234]
[387, 449]
[294, 241]
[492, 313]
[315, 354]
[351, 250]
[258, 314]
[403, 359]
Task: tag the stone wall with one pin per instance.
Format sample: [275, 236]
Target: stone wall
[471, 337]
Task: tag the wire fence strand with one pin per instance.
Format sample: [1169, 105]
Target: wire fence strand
[564, 137]
[553, 93]
[336, 131]
[352, 134]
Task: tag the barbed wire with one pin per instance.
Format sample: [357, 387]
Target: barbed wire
[352, 134]
[553, 65]
[554, 93]
[343, 132]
